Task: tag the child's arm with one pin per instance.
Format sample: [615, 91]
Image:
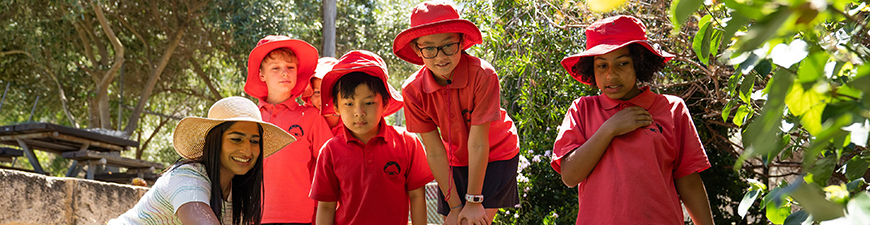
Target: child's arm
[576, 165]
[325, 213]
[196, 213]
[694, 196]
[436, 155]
[418, 205]
[478, 157]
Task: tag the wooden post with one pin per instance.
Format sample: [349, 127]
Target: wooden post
[329, 12]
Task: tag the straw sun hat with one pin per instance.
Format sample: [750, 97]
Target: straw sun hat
[189, 135]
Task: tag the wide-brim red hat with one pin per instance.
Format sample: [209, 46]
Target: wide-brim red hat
[306, 58]
[324, 65]
[359, 61]
[434, 17]
[609, 34]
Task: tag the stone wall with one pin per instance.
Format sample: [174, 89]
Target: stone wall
[29, 198]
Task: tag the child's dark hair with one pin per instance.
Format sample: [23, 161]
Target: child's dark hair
[646, 64]
[346, 85]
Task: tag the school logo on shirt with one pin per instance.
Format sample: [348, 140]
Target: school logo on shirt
[657, 129]
[296, 130]
[466, 114]
[392, 169]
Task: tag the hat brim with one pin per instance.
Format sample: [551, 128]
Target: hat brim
[394, 105]
[306, 57]
[402, 47]
[188, 138]
[604, 48]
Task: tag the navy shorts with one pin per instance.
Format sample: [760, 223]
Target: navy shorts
[499, 185]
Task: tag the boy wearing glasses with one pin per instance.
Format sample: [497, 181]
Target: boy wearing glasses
[474, 157]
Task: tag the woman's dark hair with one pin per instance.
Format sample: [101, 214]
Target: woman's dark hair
[646, 64]
[346, 85]
[247, 189]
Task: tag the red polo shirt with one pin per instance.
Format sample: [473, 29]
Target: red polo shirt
[287, 174]
[472, 98]
[634, 179]
[371, 181]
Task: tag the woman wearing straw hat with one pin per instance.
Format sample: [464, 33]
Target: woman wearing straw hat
[228, 147]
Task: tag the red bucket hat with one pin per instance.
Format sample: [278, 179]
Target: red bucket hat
[434, 17]
[306, 57]
[324, 65]
[609, 34]
[359, 61]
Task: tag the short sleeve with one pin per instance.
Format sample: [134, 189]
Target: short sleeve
[325, 185]
[187, 184]
[415, 117]
[487, 98]
[692, 157]
[322, 133]
[419, 174]
[571, 136]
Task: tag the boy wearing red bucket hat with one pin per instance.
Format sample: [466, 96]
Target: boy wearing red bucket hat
[634, 153]
[373, 170]
[474, 157]
[279, 69]
[312, 96]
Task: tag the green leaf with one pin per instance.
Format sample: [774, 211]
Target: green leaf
[765, 128]
[859, 208]
[746, 88]
[740, 116]
[701, 41]
[681, 10]
[813, 201]
[856, 167]
[604, 5]
[800, 101]
[747, 201]
[733, 24]
[763, 30]
[813, 67]
[855, 184]
[750, 11]
[812, 119]
[777, 215]
[763, 68]
[732, 83]
[822, 170]
[798, 218]
[727, 110]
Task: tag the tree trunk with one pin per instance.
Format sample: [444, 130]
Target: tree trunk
[329, 12]
[102, 98]
[133, 122]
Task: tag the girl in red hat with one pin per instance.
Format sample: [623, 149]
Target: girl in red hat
[279, 69]
[453, 102]
[312, 96]
[635, 154]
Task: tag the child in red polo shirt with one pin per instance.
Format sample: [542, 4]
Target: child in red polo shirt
[371, 169]
[311, 96]
[634, 153]
[477, 144]
[279, 69]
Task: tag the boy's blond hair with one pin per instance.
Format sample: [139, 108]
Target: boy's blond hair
[281, 53]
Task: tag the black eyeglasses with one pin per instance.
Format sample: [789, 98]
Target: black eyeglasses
[431, 52]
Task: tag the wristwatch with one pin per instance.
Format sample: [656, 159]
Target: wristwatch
[474, 198]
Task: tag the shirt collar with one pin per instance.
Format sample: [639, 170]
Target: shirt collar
[460, 76]
[290, 103]
[382, 127]
[644, 100]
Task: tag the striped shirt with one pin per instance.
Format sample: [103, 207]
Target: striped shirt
[183, 184]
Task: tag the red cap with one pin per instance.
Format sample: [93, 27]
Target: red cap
[609, 34]
[359, 61]
[434, 17]
[306, 58]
